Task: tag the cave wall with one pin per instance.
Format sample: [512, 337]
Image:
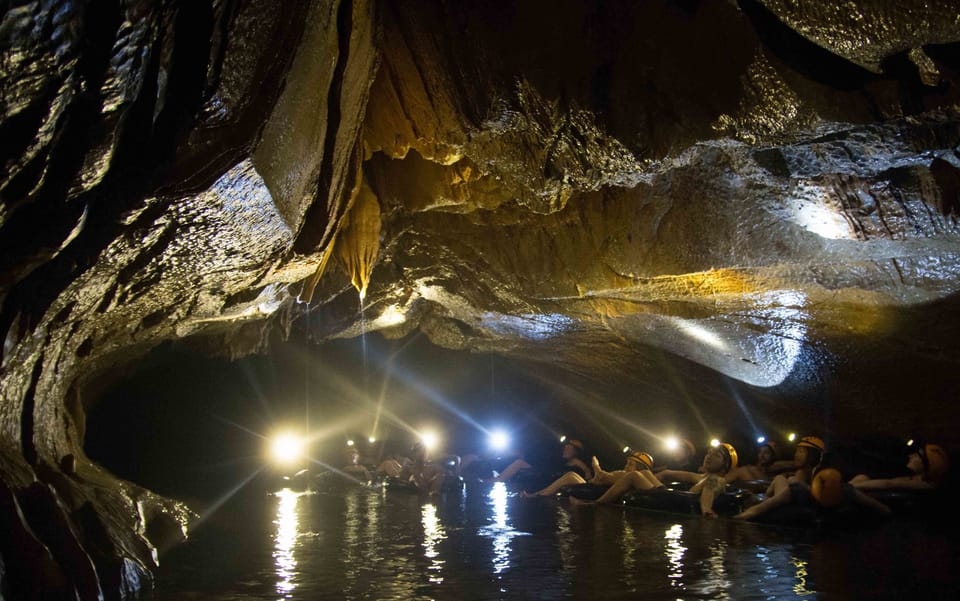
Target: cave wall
[640, 200]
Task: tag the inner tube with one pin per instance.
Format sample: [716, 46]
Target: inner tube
[755, 486]
[587, 492]
[912, 503]
[682, 501]
[398, 485]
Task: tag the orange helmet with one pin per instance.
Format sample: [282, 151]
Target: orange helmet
[642, 457]
[936, 462]
[812, 442]
[730, 453]
[827, 487]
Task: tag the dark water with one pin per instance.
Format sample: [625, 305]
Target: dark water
[487, 544]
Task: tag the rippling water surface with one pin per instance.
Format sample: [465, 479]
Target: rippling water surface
[487, 543]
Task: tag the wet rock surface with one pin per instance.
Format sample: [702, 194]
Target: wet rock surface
[644, 201]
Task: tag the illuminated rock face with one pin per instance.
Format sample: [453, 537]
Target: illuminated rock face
[657, 203]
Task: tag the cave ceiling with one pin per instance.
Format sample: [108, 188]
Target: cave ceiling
[648, 199]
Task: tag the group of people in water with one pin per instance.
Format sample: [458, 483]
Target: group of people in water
[806, 480]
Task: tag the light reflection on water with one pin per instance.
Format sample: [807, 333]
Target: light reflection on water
[674, 551]
[285, 540]
[486, 543]
[501, 533]
[432, 534]
[800, 588]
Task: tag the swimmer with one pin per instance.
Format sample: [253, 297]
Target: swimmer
[577, 472]
[709, 484]
[928, 464]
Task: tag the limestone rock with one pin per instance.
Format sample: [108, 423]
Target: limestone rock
[659, 207]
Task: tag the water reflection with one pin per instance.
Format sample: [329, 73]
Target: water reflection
[674, 552]
[433, 533]
[285, 541]
[353, 544]
[501, 538]
[501, 533]
[800, 575]
[717, 582]
[628, 544]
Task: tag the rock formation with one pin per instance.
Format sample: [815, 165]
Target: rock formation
[649, 200]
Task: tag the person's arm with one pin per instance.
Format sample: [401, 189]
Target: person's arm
[784, 465]
[734, 475]
[678, 476]
[902, 483]
[709, 488]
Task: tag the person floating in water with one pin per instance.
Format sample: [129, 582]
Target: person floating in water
[576, 471]
[826, 489]
[928, 465]
[636, 460]
[763, 470]
[709, 484]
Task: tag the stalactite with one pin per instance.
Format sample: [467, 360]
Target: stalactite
[359, 241]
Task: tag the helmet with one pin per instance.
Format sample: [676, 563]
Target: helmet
[827, 487]
[573, 442]
[730, 453]
[936, 462]
[642, 457]
[812, 442]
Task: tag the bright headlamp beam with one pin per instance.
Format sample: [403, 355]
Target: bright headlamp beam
[672, 443]
[286, 449]
[429, 440]
[499, 440]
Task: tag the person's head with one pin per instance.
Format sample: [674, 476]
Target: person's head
[766, 453]
[638, 461]
[720, 459]
[809, 452]
[929, 460]
[572, 449]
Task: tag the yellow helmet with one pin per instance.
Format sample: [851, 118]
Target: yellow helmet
[641, 457]
[812, 442]
[827, 487]
[936, 462]
[731, 454]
